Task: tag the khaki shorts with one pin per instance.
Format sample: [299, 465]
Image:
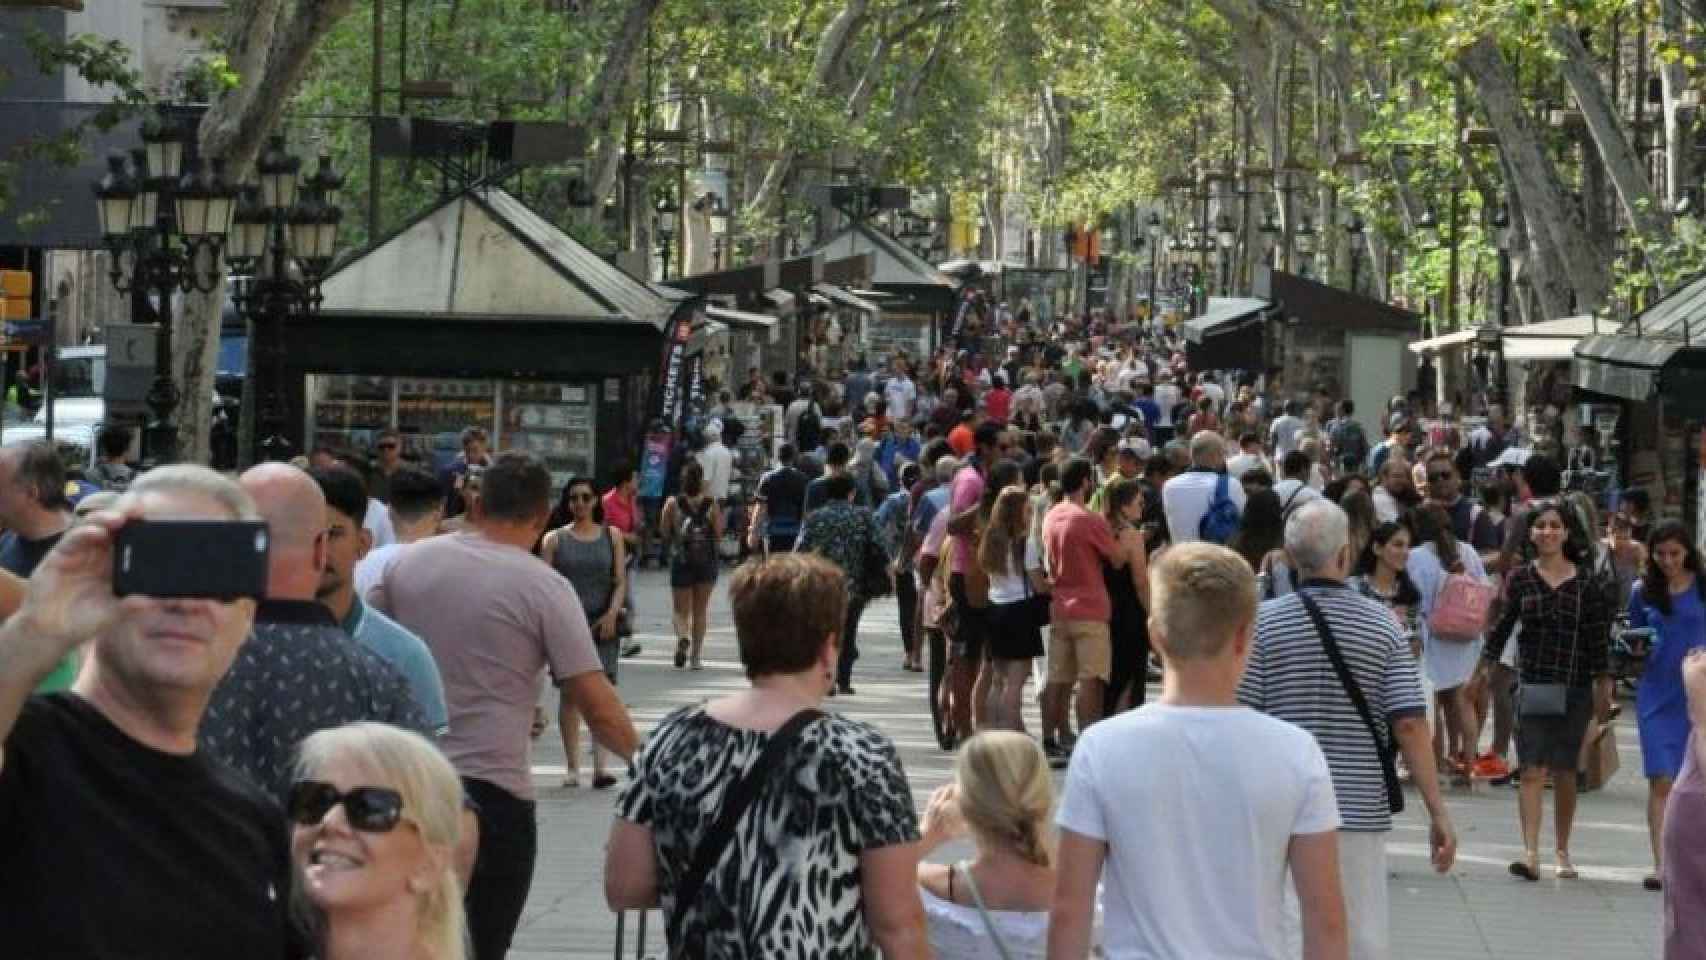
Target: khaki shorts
[1079, 650]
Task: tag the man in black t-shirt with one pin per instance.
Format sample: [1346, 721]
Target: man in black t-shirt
[781, 500]
[118, 837]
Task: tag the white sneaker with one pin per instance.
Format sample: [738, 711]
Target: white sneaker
[698, 664]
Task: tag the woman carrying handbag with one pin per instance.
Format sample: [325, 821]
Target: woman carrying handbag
[1563, 660]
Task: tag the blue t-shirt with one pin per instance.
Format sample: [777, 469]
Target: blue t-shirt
[1676, 633]
[395, 644]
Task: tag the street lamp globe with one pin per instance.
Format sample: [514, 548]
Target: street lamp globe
[666, 211]
[326, 182]
[115, 199]
[249, 224]
[1502, 229]
[719, 216]
[163, 145]
[145, 208]
[1306, 237]
[1155, 226]
[278, 170]
[1427, 227]
[1227, 235]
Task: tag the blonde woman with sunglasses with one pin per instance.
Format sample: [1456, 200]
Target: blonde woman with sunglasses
[376, 815]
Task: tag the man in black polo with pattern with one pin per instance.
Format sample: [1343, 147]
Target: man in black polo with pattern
[299, 672]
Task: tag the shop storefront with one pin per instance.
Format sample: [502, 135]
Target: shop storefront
[918, 297]
[480, 313]
[1640, 395]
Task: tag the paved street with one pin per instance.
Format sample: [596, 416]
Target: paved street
[1476, 911]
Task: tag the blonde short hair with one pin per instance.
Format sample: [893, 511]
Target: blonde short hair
[432, 799]
[1202, 595]
[1006, 794]
[188, 478]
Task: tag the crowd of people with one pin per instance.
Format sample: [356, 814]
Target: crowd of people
[340, 767]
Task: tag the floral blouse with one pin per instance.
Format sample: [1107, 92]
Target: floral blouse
[840, 533]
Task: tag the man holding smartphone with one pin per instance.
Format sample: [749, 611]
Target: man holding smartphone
[86, 774]
[300, 672]
[494, 617]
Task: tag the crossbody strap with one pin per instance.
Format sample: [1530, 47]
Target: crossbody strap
[983, 911]
[1383, 745]
[735, 804]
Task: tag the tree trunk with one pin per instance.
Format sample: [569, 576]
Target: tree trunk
[1553, 221]
[612, 93]
[832, 49]
[1622, 163]
[270, 48]
[1678, 137]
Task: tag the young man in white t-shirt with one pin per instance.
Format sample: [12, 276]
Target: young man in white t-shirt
[1245, 798]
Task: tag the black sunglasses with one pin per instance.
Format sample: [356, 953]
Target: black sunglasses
[368, 809]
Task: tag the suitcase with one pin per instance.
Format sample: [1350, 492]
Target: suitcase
[639, 934]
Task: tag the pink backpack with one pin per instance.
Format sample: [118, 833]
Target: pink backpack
[1461, 608]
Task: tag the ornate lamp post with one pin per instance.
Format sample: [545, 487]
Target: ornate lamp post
[283, 241]
[719, 230]
[1354, 230]
[1227, 237]
[1305, 237]
[164, 217]
[665, 222]
[1155, 240]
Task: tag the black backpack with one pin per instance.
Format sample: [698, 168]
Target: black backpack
[698, 536]
[808, 434]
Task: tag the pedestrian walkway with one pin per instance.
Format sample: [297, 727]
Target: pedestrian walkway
[1476, 911]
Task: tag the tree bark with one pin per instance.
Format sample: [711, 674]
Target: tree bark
[1622, 164]
[1679, 167]
[271, 43]
[833, 44]
[1554, 222]
[612, 93]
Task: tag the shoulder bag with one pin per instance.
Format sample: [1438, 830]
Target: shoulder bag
[982, 911]
[735, 804]
[1461, 606]
[1384, 744]
[1553, 699]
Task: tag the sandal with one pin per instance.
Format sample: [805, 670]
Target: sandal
[681, 653]
[1652, 882]
[603, 781]
[1528, 868]
[1566, 870]
[572, 781]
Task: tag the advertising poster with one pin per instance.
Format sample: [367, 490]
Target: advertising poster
[667, 400]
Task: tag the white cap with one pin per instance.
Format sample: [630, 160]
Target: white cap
[1511, 457]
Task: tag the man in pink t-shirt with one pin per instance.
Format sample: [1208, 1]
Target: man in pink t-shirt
[990, 443]
[1080, 650]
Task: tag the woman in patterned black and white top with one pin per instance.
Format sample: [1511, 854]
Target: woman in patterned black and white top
[823, 862]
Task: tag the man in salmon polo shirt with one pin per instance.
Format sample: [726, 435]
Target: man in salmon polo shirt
[1077, 541]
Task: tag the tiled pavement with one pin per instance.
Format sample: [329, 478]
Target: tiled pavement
[1475, 911]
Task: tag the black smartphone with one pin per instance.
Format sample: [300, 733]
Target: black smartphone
[215, 559]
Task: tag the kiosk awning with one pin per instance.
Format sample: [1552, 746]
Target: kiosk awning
[846, 299]
[741, 320]
[1224, 315]
[1434, 344]
[1550, 340]
[1621, 366]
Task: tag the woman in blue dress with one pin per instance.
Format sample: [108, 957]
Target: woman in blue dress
[1671, 600]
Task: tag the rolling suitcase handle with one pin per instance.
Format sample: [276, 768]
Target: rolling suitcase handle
[639, 934]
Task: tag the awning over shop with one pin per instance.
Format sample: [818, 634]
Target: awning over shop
[741, 320]
[847, 299]
[1435, 344]
[1224, 315]
[1632, 362]
[1212, 341]
[1551, 339]
[895, 269]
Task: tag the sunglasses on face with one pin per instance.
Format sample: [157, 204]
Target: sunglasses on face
[368, 809]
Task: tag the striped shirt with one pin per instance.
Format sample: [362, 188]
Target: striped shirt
[1289, 676]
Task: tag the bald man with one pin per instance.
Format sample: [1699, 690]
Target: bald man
[298, 672]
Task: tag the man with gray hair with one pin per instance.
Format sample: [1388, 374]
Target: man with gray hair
[1187, 497]
[1327, 637]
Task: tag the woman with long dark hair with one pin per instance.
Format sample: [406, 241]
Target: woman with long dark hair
[1128, 597]
[591, 558]
[1262, 530]
[1448, 663]
[1564, 664]
[1014, 565]
[1670, 599]
[1382, 575]
[694, 527]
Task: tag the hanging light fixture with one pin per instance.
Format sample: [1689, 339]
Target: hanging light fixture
[1427, 229]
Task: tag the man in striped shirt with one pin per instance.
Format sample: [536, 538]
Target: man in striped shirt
[1291, 676]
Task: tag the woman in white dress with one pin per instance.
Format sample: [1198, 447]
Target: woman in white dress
[1448, 664]
[996, 905]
